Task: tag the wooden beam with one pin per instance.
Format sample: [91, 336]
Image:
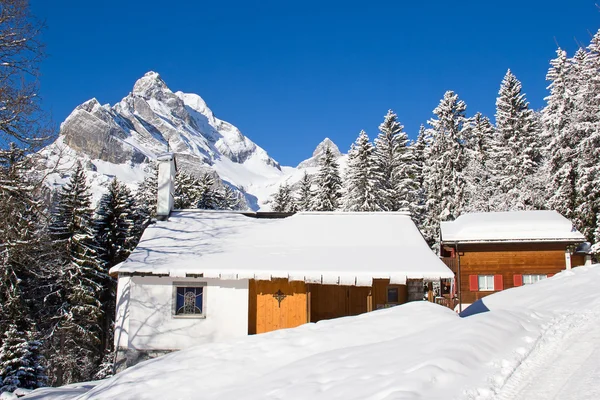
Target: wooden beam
[308, 302]
[370, 300]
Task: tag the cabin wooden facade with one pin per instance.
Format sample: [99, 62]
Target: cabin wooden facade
[498, 251]
[280, 304]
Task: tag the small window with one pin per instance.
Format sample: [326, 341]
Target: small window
[392, 295]
[188, 301]
[529, 279]
[486, 283]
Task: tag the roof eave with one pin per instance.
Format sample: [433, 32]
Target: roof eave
[496, 241]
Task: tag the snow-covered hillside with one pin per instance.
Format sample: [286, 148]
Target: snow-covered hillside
[415, 351]
[120, 141]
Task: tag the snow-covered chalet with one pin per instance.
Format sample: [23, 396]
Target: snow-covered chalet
[200, 276]
[493, 251]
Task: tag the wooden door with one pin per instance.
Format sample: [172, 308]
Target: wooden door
[276, 304]
[332, 301]
[327, 302]
[357, 299]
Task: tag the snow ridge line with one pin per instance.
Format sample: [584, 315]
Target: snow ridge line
[548, 343]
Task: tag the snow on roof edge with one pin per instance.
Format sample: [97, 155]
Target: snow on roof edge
[323, 278]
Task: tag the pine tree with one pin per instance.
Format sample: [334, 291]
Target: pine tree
[21, 363]
[146, 196]
[186, 191]
[519, 155]
[79, 276]
[116, 234]
[557, 120]
[23, 256]
[361, 179]
[587, 133]
[445, 161]
[206, 196]
[417, 206]
[305, 195]
[479, 189]
[115, 224]
[283, 201]
[390, 153]
[329, 184]
[228, 199]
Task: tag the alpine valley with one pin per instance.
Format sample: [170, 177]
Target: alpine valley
[123, 140]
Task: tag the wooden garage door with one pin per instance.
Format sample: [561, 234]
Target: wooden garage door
[267, 313]
[331, 301]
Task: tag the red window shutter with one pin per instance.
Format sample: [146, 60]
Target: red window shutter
[473, 283]
[549, 275]
[498, 283]
[518, 279]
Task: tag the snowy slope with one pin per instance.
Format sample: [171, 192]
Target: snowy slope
[120, 140]
[415, 351]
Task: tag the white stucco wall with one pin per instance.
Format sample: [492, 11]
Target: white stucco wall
[145, 319]
[122, 313]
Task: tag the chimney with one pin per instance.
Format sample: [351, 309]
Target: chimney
[166, 185]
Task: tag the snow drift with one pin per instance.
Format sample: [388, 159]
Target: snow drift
[414, 351]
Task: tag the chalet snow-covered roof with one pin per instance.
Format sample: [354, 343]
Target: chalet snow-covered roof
[510, 226]
[329, 248]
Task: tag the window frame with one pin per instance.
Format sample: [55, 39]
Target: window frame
[488, 279]
[177, 285]
[538, 277]
[387, 295]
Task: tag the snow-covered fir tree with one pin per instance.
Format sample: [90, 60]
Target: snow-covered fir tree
[329, 184]
[361, 180]
[23, 256]
[116, 234]
[518, 154]
[408, 189]
[115, 224]
[75, 345]
[21, 362]
[146, 196]
[587, 132]
[557, 120]
[228, 199]
[21, 238]
[391, 154]
[445, 162]
[479, 188]
[304, 197]
[283, 200]
[186, 191]
[417, 205]
[207, 197]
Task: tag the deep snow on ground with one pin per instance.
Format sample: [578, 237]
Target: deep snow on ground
[538, 342]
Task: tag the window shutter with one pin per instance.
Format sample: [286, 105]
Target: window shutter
[473, 283]
[549, 275]
[498, 283]
[518, 279]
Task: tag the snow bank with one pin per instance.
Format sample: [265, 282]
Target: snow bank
[510, 226]
[414, 351]
[330, 247]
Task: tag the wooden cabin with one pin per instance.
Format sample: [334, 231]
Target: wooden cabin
[494, 251]
[203, 276]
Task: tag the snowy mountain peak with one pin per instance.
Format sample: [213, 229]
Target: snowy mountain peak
[319, 152]
[149, 85]
[120, 140]
[324, 145]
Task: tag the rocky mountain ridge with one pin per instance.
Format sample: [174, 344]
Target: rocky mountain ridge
[121, 140]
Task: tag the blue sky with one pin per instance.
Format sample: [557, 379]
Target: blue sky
[289, 73]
